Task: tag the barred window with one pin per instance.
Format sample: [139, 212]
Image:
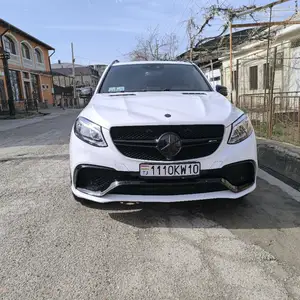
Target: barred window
[253, 79]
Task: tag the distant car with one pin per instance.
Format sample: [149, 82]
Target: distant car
[158, 132]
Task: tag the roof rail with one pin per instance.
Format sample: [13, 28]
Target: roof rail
[115, 61]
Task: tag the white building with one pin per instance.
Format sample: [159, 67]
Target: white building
[252, 76]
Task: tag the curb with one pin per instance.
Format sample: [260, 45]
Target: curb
[280, 160]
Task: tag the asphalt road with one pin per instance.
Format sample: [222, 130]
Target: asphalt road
[52, 247]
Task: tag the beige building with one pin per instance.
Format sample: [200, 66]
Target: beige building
[29, 67]
[251, 74]
[84, 75]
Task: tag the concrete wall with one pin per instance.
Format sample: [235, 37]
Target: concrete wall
[281, 160]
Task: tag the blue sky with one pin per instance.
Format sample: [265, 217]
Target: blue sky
[104, 30]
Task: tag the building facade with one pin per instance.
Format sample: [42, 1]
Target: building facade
[257, 71]
[29, 67]
[99, 68]
[85, 76]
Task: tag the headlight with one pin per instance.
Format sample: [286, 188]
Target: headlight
[240, 130]
[89, 132]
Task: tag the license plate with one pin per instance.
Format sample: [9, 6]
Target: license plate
[169, 170]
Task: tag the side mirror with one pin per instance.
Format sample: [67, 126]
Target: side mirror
[222, 90]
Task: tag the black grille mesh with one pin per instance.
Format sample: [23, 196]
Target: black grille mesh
[152, 133]
[170, 190]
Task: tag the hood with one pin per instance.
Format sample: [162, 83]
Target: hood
[150, 108]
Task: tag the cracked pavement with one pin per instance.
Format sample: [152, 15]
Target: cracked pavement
[53, 247]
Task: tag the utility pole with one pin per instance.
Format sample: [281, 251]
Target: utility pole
[74, 82]
[236, 82]
[5, 56]
[267, 69]
[230, 59]
[271, 93]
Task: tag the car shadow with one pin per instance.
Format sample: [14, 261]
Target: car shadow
[266, 208]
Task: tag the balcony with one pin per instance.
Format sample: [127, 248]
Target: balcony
[40, 66]
[28, 63]
[14, 59]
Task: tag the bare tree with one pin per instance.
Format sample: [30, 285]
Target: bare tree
[155, 47]
[227, 13]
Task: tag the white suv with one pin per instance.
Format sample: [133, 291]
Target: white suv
[158, 132]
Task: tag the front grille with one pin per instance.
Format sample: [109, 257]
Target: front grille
[97, 179]
[140, 142]
[170, 190]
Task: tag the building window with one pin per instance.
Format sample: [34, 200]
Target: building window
[15, 84]
[9, 45]
[26, 51]
[279, 60]
[36, 87]
[38, 56]
[234, 80]
[253, 78]
[26, 75]
[211, 79]
[267, 76]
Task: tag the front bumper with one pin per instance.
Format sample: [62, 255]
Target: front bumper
[119, 179]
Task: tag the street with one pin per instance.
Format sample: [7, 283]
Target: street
[53, 247]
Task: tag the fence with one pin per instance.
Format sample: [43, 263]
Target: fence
[68, 102]
[276, 117]
[23, 106]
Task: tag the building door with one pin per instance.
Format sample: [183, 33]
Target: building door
[27, 90]
[15, 84]
[36, 87]
[2, 94]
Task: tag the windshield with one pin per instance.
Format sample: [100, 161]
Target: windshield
[154, 77]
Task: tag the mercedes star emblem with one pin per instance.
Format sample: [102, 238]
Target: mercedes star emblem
[169, 145]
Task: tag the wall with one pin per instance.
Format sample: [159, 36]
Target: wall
[292, 70]
[212, 76]
[47, 92]
[89, 80]
[63, 81]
